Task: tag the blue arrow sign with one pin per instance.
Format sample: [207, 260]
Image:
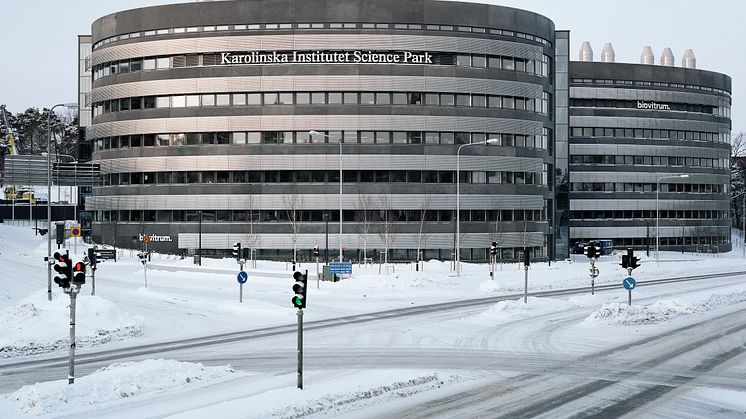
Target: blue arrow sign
[242, 277]
[629, 283]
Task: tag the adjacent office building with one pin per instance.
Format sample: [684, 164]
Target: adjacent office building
[392, 125]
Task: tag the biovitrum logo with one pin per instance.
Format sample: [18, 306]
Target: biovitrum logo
[154, 238]
[653, 106]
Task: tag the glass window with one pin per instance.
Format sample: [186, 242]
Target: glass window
[494, 101]
[149, 102]
[239, 99]
[382, 137]
[447, 99]
[463, 100]
[399, 98]
[318, 98]
[192, 100]
[479, 61]
[432, 99]
[383, 98]
[463, 60]
[414, 98]
[334, 98]
[148, 64]
[367, 137]
[367, 98]
[285, 98]
[349, 97]
[270, 99]
[479, 101]
[178, 101]
[508, 63]
[135, 64]
[253, 99]
[163, 62]
[223, 99]
[239, 138]
[208, 100]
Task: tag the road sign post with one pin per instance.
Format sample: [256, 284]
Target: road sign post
[629, 284]
[526, 264]
[242, 278]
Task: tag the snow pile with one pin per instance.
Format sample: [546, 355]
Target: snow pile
[35, 325]
[341, 403]
[517, 309]
[617, 313]
[111, 384]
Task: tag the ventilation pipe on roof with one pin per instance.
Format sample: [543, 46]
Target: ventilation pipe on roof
[647, 56]
[607, 54]
[667, 58]
[586, 52]
[689, 61]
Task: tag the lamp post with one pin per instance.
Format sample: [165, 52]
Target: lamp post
[49, 193]
[318, 134]
[458, 199]
[657, 214]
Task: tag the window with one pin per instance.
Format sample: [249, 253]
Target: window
[254, 99]
[223, 99]
[208, 100]
[239, 99]
[447, 99]
[463, 60]
[192, 100]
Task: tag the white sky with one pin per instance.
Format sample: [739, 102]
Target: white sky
[39, 37]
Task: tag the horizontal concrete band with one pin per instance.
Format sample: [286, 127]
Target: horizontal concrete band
[317, 122]
[320, 162]
[301, 83]
[356, 241]
[301, 201]
[648, 94]
[654, 123]
[642, 231]
[646, 204]
[312, 42]
[653, 149]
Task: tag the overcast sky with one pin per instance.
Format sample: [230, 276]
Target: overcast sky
[38, 64]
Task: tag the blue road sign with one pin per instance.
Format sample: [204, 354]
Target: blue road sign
[340, 268]
[242, 277]
[629, 283]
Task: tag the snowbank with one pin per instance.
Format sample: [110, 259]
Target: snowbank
[517, 309]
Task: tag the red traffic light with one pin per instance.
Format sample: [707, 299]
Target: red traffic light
[79, 273]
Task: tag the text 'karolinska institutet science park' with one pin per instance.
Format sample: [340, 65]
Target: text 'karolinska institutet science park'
[398, 126]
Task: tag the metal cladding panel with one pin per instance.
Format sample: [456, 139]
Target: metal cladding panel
[320, 162]
[320, 122]
[317, 83]
[648, 150]
[645, 177]
[403, 241]
[315, 42]
[646, 204]
[647, 94]
[309, 202]
[646, 122]
[624, 232]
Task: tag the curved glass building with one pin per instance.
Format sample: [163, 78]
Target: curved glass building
[202, 113]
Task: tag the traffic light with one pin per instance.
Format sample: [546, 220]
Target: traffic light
[92, 257]
[316, 251]
[591, 250]
[60, 233]
[79, 273]
[526, 257]
[63, 268]
[299, 288]
[632, 261]
[493, 249]
[237, 250]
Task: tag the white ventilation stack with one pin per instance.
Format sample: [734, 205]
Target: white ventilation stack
[689, 61]
[647, 56]
[667, 59]
[607, 54]
[586, 52]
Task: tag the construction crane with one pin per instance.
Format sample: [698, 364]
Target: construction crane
[8, 143]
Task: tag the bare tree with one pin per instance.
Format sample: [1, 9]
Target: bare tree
[422, 234]
[738, 145]
[365, 206]
[293, 203]
[251, 239]
[386, 225]
[497, 233]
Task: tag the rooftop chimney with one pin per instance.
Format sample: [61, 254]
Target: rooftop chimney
[586, 52]
[689, 61]
[647, 56]
[667, 58]
[607, 54]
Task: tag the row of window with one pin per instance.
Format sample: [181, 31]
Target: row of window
[648, 187]
[649, 133]
[311, 26]
[303, 137]
[540, 67]
[703, 241]
[372, 216]
[650, 161]
[540, 104]
[636, 104]
[325, 176]
[607, 82]
[650, 215]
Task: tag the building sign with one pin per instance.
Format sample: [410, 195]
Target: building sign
[154, 238]
[326, 57]
[652, 105]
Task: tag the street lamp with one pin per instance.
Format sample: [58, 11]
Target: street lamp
[458, 199]
[657, 215]
[49, 193]
[318, 134]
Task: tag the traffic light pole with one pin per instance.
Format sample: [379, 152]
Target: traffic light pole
[593, 276]
[93, 280]
[525, 285]
[300, 348]
[318, 277]
[73, 291]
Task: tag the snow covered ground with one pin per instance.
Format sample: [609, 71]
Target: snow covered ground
[182, 301]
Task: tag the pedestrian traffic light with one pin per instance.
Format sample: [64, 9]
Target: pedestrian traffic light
[591, 250]
[237, 250]
[316, 251]
[299, 289]
[526, 257]
[92, 257]
[60, 233]
[63, 268]
[493, 249]
[79, 273]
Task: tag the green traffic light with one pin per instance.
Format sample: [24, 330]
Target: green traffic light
[297, 301]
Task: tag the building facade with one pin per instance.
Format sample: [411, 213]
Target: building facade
[202, 113]
[649, 155]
